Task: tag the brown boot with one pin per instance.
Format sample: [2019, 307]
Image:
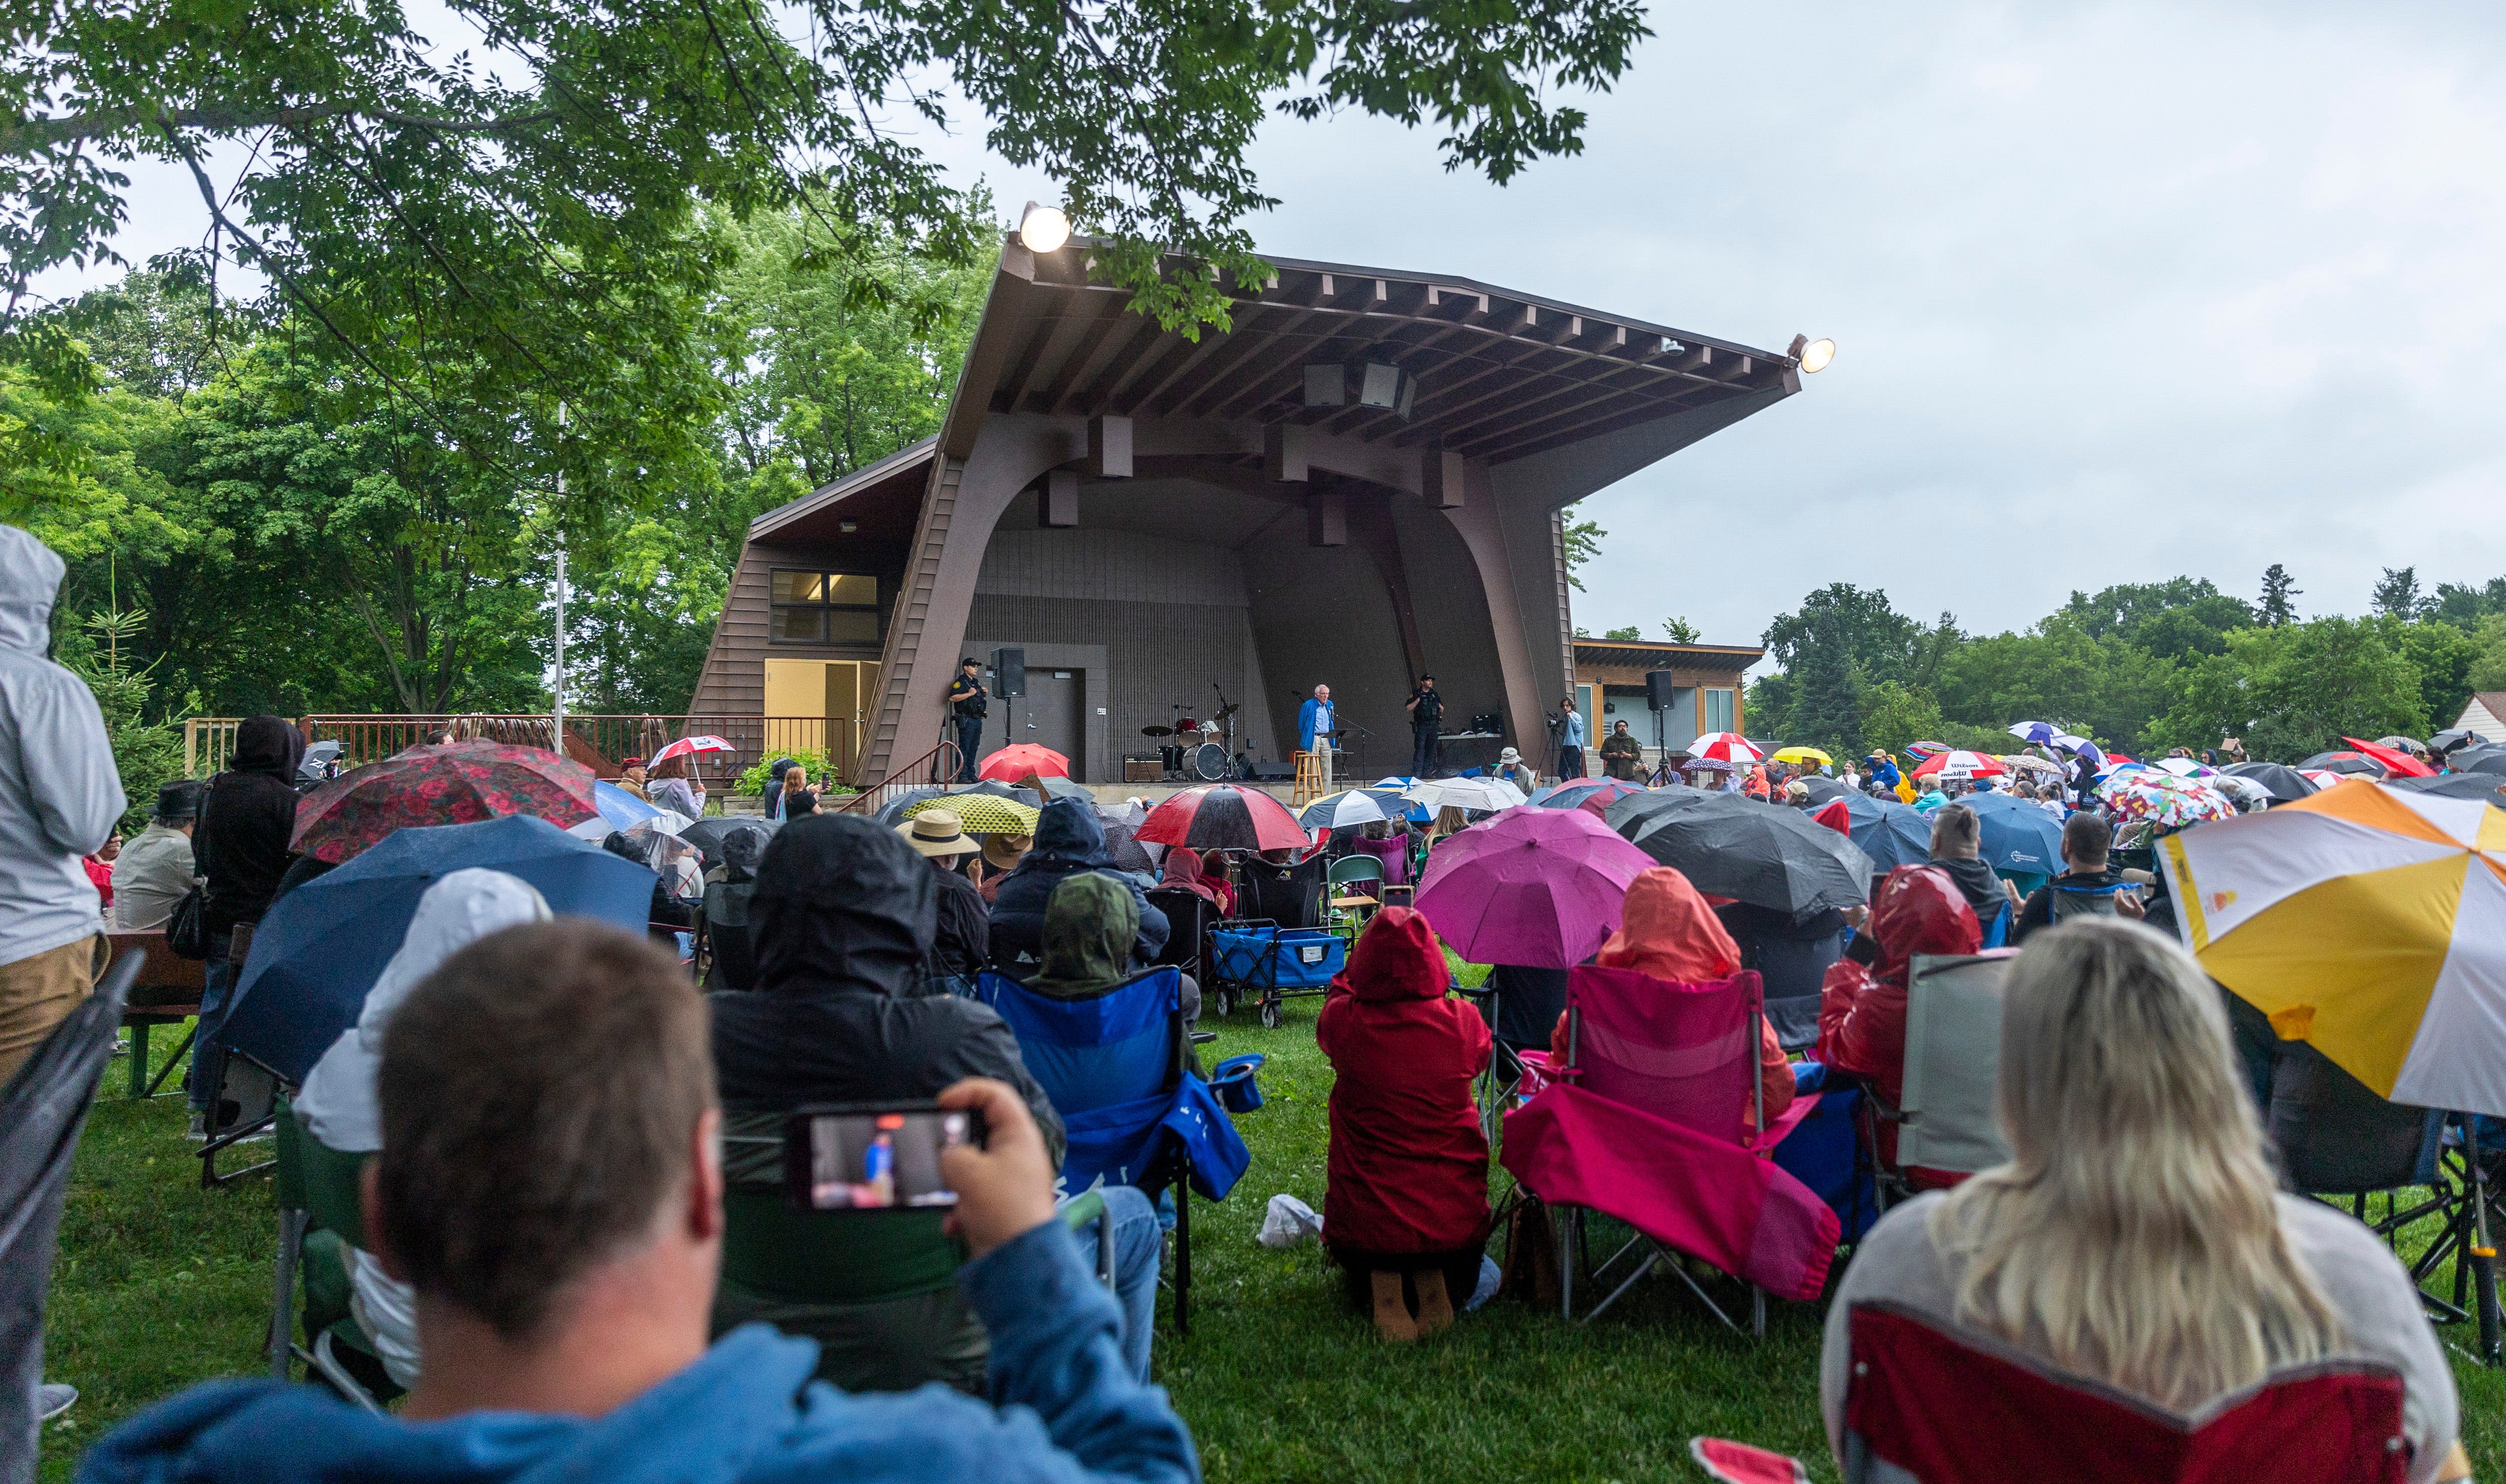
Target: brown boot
[1392, 1317]
[1435, 1305]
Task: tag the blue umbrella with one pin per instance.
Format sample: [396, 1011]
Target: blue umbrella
[323, 944]
[619, 807]
[1890, 833]
[2018, 835]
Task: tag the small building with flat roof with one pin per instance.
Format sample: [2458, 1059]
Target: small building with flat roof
[1356, 482]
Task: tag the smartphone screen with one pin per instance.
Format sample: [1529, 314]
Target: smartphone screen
[855, 1159]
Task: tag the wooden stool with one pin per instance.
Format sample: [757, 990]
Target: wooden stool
[1309, 779]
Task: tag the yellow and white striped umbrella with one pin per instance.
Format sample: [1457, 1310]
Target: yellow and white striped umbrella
[2368, 921]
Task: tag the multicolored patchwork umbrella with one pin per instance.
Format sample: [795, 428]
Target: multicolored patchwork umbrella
[458, 783]
[2162, 798]
[1220, 816]
[1019, 759]
[2368, 922]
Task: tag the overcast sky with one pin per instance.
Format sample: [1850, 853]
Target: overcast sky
[2120, 290]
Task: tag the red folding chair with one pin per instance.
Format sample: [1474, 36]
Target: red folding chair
[1931, 1405]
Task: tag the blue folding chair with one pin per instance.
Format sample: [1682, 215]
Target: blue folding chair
[1135, 1115]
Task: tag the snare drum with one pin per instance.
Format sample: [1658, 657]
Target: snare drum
[1185, 726]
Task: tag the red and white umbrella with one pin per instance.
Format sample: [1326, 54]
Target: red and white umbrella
[1961, 763]
[689, 747]
[2325, 777]
[1726, 747]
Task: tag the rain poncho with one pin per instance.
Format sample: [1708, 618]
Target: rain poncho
[247, 825]
[1067, 1409]
[1184, 872]
[841, 922]
[1408, 1167]
[1088, 934]
[1862, 1014]
[679, 794]
[1069, 838]
[1667, 931]
[337, 1103]
[59, 795]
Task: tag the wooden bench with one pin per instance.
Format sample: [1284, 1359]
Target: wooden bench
[168, 992]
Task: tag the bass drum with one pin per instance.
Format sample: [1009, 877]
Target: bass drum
[1209, 762]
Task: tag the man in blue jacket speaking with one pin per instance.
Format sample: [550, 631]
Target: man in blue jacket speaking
[559, 1216]
[1315, 728]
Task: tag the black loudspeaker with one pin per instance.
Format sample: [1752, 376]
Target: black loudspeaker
[1008, 673]
[1273, 772]
[1658, 688]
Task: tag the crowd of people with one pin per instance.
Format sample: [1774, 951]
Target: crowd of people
[565, 1134]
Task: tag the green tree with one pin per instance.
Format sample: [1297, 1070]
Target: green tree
[2487, 669]
[1583, 540]
[2297, 689]
[2179, 617]
[2278, 589]
[1894, 715]
[2442, 655]
[2397, 594]
[1632, 633]
[1680, 631]
[2057, 672]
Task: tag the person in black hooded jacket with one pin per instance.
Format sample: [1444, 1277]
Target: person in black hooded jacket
[241, 845]
[1069, 838]
[841, 920]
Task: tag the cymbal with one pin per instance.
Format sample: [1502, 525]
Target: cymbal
[1157, 731]
[1226, 711]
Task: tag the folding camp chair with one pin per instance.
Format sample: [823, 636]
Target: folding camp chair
[1646, 1126]
[2338, 1140]
[41, 1110]
[321, 1215]
[1351, 908]
[1114, 1067]
[1930, 1404]
[1947, 1128]
[1189, 915]
[727, 956]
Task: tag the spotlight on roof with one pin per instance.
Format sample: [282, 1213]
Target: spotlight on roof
[1813, 355]
[1043, 228]
[1365, 383]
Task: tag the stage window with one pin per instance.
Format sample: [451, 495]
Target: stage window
[825, 608]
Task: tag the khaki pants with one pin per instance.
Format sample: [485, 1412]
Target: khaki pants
[37, 994]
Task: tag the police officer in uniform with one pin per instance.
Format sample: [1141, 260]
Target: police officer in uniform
[968, 700]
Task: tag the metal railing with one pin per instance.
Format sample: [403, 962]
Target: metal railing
[937, 765]
[597, 742]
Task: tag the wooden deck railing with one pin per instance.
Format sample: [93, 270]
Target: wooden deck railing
[937, 765]
[598, 742]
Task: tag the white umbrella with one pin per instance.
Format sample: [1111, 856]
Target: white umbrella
[1487, 795]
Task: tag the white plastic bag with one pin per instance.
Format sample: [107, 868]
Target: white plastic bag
[1287, 1222]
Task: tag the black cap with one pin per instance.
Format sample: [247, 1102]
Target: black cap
[180, 800]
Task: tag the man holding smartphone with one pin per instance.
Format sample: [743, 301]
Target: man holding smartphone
[565, 1268]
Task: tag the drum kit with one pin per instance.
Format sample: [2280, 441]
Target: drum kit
[1196, 747]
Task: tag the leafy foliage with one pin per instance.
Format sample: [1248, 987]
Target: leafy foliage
[1583, 540]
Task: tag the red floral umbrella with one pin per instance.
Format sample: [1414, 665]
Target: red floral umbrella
[458, 783]
[1020, 758]
[1221, 816]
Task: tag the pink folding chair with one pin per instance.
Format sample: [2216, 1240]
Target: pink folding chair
[1929, 1403]
[1645, 1123]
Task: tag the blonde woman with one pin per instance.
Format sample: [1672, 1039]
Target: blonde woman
[2138, 1237]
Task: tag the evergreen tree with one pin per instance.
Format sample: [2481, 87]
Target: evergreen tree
[2277, 588]
[2397, 593]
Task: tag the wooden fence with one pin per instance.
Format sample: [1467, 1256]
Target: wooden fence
[597, 742]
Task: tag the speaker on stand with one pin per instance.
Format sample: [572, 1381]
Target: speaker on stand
[1659, 691]
[1009, 683]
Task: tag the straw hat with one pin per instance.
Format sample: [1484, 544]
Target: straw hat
[937, 832]
[1003, 852]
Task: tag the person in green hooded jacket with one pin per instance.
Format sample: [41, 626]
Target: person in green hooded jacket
[1089, 927]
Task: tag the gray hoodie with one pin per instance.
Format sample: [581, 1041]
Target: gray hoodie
[60, 794]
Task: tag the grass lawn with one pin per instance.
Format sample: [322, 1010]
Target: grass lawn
[161, 1283]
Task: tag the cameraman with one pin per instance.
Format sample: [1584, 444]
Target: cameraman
[968, 700]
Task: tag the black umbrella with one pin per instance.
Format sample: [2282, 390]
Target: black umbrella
[1126, 853]
[2284, 784]
[1062, 787]
[2487, 760]
[1729, 845]
[2454, 737]
[1823, 790]
[2486, 787]
[711, 835]
[2345, 763]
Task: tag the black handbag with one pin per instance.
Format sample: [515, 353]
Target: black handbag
[187, 931]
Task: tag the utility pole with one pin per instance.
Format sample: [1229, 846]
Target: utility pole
[557, 712]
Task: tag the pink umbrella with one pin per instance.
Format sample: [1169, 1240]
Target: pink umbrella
[689, 747]
[1726, 747]
[1538, 888]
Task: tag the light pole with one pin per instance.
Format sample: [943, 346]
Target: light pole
[556, 711]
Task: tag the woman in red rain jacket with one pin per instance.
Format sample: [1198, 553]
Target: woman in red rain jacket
[1406, 1193]
[1862, 1012]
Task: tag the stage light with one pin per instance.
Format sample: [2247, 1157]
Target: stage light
[1043, 228]
[1364, 382]
[1813, 355]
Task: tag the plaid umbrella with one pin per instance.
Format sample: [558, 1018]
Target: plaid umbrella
[1221, 816]
[1019, 759]
[979, 813]
[458, 783]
